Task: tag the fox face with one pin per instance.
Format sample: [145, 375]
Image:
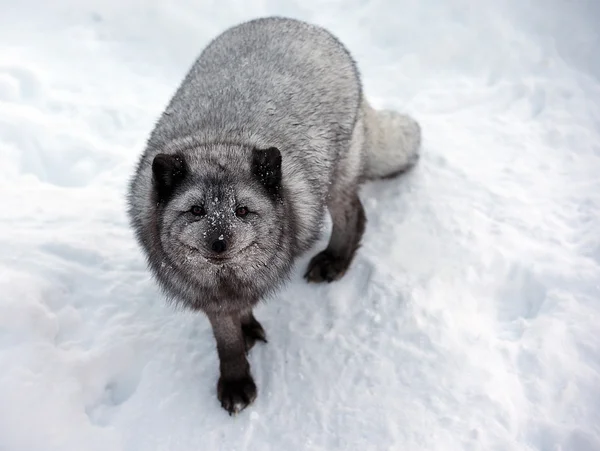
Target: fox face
[218, 219]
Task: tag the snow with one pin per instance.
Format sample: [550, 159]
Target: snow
[469, 320]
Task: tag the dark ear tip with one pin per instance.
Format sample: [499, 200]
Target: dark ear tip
[273, 152]
[271, 156]
[163, 162]
[168, 170]
[160, 160]
[266, 165]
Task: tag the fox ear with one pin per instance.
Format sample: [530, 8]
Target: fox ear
[168, 172]
[266, 166]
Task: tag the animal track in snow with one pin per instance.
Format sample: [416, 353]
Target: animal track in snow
[117, 391]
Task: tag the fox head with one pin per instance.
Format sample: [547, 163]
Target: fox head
[217, 212]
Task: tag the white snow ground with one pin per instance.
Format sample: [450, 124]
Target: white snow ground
[470, 320]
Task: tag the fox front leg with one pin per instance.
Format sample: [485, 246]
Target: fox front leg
[236, 388]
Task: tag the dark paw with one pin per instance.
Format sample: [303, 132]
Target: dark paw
[253, 332]
[325, 267]
[236, 394]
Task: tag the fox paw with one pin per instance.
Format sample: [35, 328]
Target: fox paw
[326, 267]
[236, 394]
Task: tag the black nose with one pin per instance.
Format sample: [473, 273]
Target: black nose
[219, 246]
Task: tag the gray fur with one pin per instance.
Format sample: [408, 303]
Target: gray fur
[271, 117]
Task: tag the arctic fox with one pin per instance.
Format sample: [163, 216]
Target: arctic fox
[268, 128]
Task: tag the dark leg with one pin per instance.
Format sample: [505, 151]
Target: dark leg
[235, 389]
[252, 330]
[349, 221]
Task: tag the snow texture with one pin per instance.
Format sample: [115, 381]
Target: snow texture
[470, 318]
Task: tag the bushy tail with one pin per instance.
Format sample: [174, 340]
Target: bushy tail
[392, 142]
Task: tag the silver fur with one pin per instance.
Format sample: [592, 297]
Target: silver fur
[268, 83]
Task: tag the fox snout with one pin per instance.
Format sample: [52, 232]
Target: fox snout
[219, 246]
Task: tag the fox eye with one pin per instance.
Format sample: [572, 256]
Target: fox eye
[197, 210]
[241, 211]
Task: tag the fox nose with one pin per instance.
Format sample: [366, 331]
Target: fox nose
[219, 246]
